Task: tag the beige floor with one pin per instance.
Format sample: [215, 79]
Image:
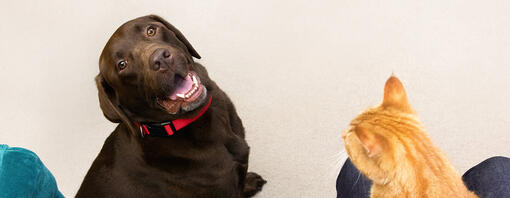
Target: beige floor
[298, 72]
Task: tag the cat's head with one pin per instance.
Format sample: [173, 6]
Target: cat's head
[374, 139]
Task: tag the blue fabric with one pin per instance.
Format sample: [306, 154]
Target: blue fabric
[22, 174]
[351, 183]
[489, 179]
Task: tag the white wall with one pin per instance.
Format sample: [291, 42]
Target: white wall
[298, 72]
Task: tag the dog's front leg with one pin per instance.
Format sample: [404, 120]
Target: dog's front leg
[250, 182]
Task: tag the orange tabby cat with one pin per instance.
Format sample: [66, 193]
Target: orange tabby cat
[389, 146]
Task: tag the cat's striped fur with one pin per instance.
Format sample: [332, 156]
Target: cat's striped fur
[388, 144]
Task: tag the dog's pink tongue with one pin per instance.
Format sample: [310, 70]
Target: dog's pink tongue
[182, 87]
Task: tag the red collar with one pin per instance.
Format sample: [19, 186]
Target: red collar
[170, 127]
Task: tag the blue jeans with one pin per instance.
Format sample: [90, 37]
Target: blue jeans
[489, 179]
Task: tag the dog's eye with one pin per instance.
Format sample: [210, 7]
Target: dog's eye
[151, 31]
[122, 64]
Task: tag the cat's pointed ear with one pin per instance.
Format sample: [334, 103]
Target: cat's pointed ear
[395, 95]
[373, 143]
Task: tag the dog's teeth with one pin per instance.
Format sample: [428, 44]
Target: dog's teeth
[190, 92]
[180, 95]
[194, 80]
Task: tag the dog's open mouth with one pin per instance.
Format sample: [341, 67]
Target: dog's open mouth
[188, 94]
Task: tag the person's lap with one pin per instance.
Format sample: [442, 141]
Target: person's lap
[490, 178]
[351, 183]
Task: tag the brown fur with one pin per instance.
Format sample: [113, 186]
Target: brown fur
[389, 145]
[207, 158]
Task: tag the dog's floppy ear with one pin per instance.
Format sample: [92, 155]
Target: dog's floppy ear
[179, 35]
[105, 93]
[111, 110]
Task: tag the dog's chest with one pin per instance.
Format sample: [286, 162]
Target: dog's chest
[212, 180]
[177, 167]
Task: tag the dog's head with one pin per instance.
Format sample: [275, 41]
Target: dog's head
[147, 73]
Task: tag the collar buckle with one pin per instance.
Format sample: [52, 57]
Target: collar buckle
[141, 131]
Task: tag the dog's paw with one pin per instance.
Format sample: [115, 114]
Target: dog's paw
[253, 184]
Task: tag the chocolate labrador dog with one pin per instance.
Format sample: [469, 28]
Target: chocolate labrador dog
[178, 134]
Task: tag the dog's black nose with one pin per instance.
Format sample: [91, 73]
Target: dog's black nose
[161, 60]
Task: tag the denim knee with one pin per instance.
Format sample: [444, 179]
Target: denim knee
[490, 178]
